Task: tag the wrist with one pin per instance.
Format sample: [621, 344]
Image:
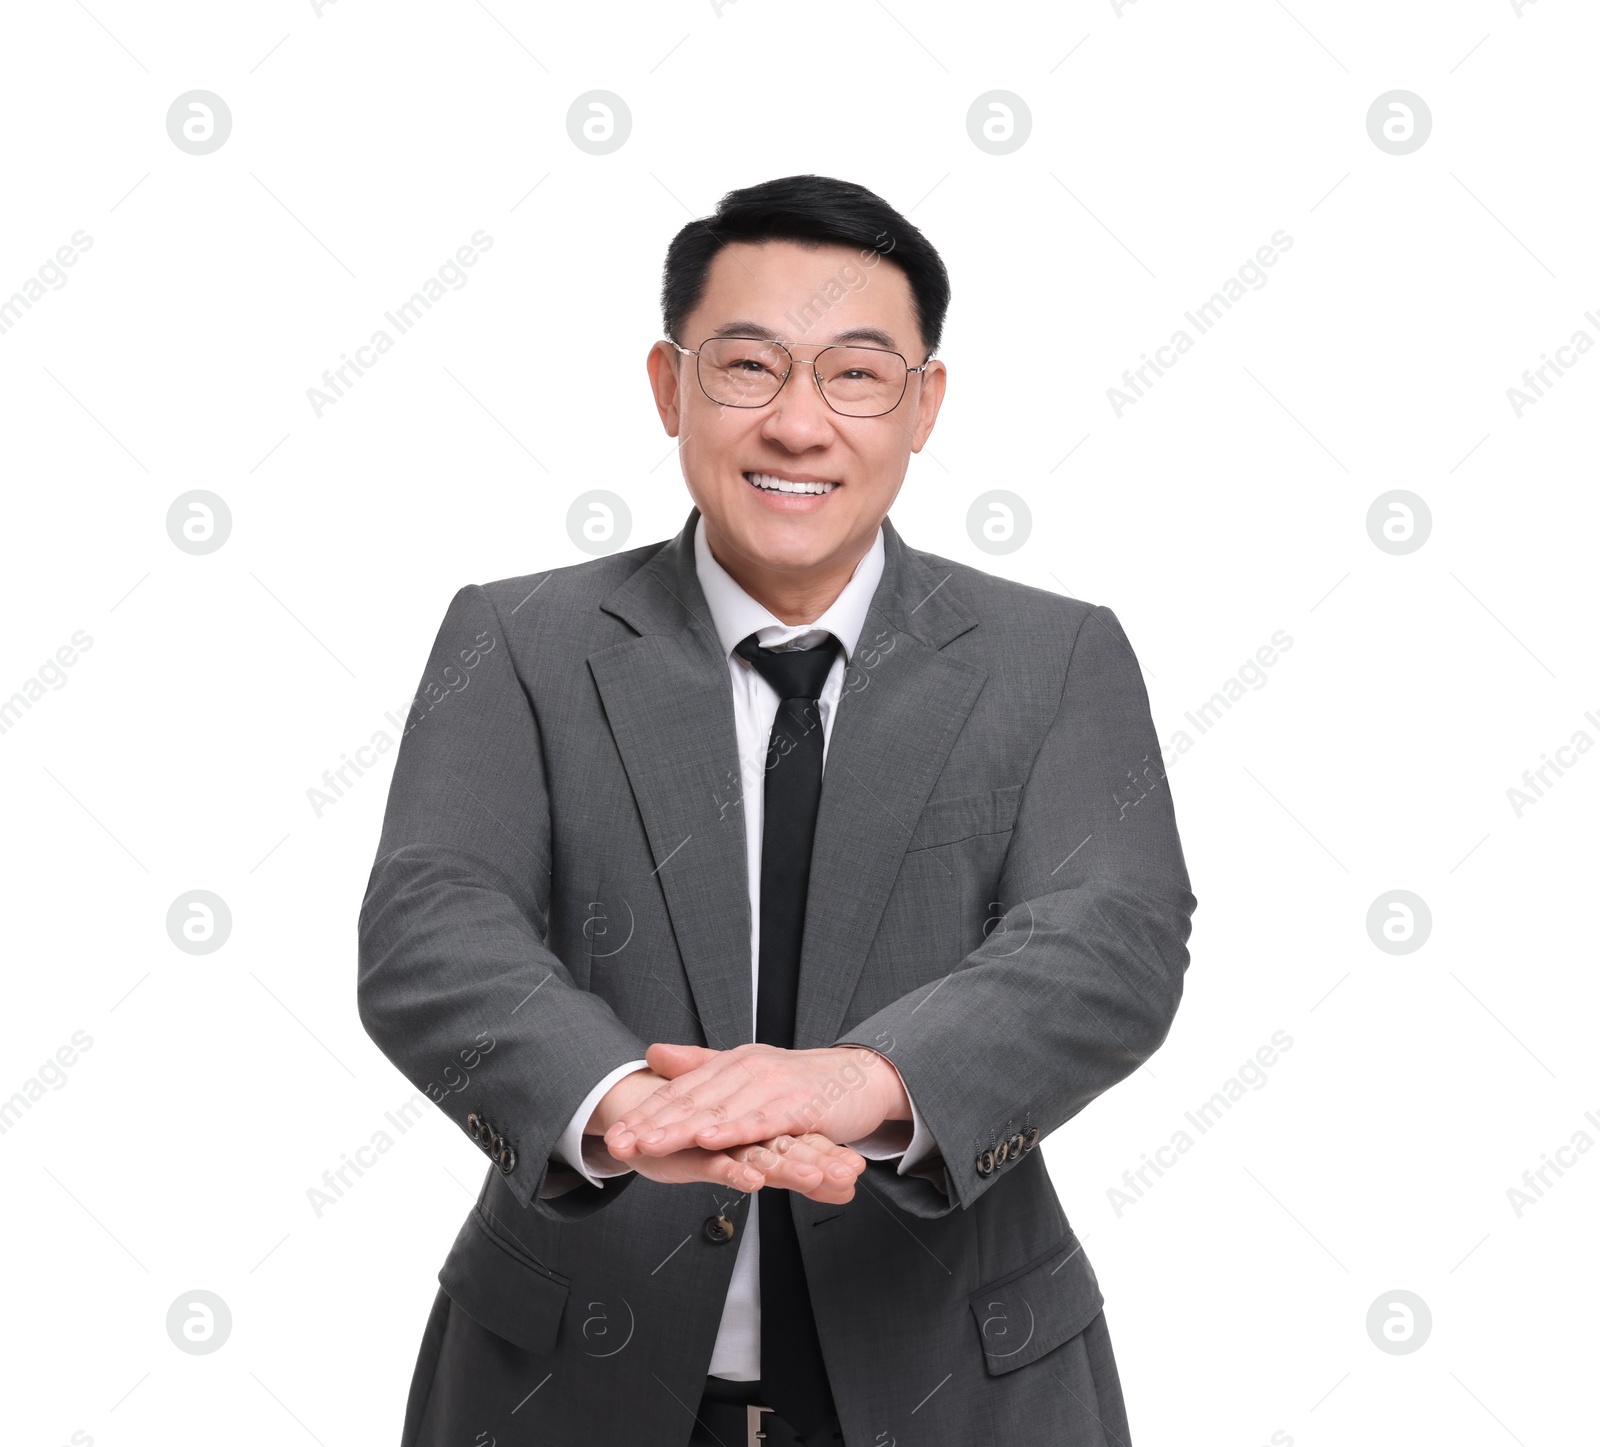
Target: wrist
[621, 1098]
[890, 1089]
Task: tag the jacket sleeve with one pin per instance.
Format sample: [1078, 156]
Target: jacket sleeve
[1078, 983]
[455, 982]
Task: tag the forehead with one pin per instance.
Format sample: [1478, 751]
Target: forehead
[801, 293]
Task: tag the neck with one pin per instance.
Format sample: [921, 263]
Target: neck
[793, 597]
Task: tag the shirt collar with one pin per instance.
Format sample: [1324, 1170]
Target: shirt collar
[737, 615]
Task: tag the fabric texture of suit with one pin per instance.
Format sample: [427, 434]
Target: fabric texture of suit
[559, 882]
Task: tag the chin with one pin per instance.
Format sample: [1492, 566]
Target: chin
[796, 543]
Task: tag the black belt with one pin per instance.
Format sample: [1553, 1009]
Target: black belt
[731, 1414]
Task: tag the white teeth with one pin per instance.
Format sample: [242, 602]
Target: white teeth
[770, 483]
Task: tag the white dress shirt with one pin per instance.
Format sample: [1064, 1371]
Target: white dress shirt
[736, 615]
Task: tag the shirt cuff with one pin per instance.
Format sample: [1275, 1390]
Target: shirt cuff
[569, 1148]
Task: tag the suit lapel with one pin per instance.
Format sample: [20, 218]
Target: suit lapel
[667, 697]
[669, 702]
[903, 705]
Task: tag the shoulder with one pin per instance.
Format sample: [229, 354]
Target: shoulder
[1003, 605]
[560, 609]
[551, 620]
[1025, 637]
[573, 589]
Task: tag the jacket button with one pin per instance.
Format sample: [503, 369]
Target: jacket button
[506, 1159]
[474, 1124]
[718, 1229]
[1002, 1152]
[1018, 1144]
[497, 1143]
[986, 1163]
[1030, 1140]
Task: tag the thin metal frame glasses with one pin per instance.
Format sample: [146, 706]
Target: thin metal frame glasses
[723, 401]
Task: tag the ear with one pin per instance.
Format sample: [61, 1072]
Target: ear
[662, 365]
[930, 397]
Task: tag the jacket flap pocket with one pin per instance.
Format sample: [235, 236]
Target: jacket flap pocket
[503, 1288]
[946, 821]
[1034, 1310]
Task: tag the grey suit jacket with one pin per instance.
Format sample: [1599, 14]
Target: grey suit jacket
[999, 903]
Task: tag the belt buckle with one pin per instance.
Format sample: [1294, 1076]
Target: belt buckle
[754, 1436]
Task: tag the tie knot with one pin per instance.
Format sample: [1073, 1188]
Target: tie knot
[793, 672]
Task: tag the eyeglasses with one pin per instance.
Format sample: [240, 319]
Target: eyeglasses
[749, 372]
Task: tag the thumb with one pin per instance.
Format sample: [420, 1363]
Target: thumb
[671, 1061]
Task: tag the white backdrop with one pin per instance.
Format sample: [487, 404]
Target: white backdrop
[1370, 892]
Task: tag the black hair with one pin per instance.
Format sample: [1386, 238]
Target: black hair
[811, 210]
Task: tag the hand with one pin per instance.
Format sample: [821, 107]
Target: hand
[809, 1164]
[722, 1099]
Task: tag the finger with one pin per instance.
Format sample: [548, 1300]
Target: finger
[829, 1193]
[667, 1100]
[813, 1148]
[671, 1061]
[838, 1164]
[785, 1163]
[741, 1175]
[672, 1118]
[778, 1098]
[809, 1159]
[671, 1102]
[695, 1165]
[755, 1092]
[811, 1165]
[838, 1159]
[746, 1116]
[841, 1169]
[764, 1109]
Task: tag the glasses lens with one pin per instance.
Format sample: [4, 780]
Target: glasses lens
[861, 381]
[739, 372]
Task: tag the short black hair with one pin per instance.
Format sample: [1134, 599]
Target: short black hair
[812, 210]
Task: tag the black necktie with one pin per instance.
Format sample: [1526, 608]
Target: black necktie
[793, 1376]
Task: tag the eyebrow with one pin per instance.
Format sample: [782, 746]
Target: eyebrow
[871, 336]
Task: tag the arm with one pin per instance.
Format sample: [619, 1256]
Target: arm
[1072, 990]
[455, 983]
[1079, 982]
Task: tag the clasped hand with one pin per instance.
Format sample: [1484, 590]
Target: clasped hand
[753, 1116]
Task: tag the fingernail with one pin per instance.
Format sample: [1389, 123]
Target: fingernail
[654, 1136]
[624, 1139]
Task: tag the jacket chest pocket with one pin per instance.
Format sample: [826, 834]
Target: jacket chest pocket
[965, 816]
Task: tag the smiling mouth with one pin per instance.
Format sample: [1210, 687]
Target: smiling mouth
[768, 483]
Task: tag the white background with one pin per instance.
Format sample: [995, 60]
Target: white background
[1168, 142]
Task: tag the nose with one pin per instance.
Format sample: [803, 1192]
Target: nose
[799, 418]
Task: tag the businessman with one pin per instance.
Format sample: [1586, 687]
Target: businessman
[758, 902]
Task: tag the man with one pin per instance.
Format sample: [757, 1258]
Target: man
[759, 900]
